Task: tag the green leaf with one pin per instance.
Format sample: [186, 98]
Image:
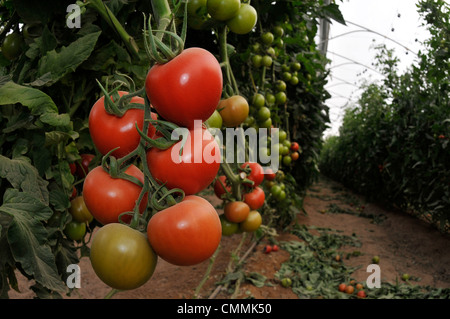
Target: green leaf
[22, 175]
[332, 11]
[67, 59]
[37, 101]
[27, 237]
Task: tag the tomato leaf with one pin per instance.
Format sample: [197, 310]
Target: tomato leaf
[37, 101]
[28, 237]
[24, 176]
[67, 59]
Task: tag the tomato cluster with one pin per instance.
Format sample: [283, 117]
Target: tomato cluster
[239, 17]
[143, 194]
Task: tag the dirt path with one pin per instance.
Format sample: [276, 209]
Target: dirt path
[403, 244]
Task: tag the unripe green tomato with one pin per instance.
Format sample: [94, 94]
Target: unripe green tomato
[281, 85]
[286, 142]
[296, 66]
[75, 230]
[287, 76]
[267, 38]
[12, 45]
[228, 228]
[256, 47]
[280, 98]
[257, 60]
[282, 135]
[270, 51]
[293, 80]
[267, 61]
[258, 100]
[244, 21]
[266, 124]
[278, 31]
[287, 160]
[223, 10]
[215, 120]
[263, 113]
[270, 98]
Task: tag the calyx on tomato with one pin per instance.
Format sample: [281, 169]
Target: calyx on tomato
[190, 164]
[109, 131]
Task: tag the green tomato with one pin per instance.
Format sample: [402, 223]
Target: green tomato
[244, 21]
[258, 100]
[287, 76]
[280, 98]
[286, 142]
[278, 31]
[266, 124]
[257, 60]
[12, 46]
[267, 38]
[75, 230]
[223, 10]
[267, 61]
[196, 7]
[215, 120]
[293, 80]
[270, 98]
[282, 135]
[287, 160]
[228, 228]
[296, 66]
[275, 191]
[270, 51]
[281, 85]
[263, 113]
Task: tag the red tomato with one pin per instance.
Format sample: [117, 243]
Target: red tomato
[187, 233]
[109, 131]
[236, 211]
[257, 173]
[83, 166]
[269, 174]
[255, 199]
[187, 88]
[194, 170]
[106, 197]
[294, 146]
[218, 188]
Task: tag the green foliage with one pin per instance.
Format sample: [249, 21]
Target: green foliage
[393, 146]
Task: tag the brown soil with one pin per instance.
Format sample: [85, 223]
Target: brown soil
[403, 243]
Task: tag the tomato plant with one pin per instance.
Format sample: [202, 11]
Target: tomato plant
[186, 233]
[122, 257]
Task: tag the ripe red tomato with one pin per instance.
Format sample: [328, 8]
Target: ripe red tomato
[255, 199]
[269, 174]
[219, 190]
[295, 156]
[83, 166]
[236, 211]
[257, 172]
[106, 197]
[294, 146]
[122, 257]
[342, 287]
[109, 131]
[186, 233]
[194, 170]
[361, 294]
[187, 88]
[233, 110]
